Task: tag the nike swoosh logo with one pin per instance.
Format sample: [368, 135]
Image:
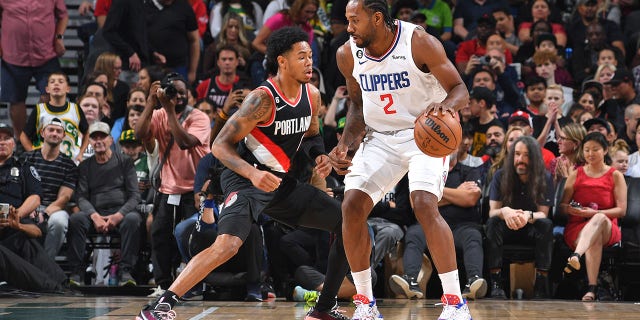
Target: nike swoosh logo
[414, 283]
[278, 109]
[362, 62]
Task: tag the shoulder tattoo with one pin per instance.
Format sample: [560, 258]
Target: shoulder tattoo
[256, 105]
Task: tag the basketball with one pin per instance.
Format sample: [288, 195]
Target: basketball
[437, 135]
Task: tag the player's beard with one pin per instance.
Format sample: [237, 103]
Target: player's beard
[365, 42]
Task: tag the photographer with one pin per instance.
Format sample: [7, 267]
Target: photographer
[183, 139]
[23, 262]
[486, 27]
[492, 72]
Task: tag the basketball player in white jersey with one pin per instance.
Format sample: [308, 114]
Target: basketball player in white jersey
[394, 72]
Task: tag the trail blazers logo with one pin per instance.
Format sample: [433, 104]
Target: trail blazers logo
[231, 199]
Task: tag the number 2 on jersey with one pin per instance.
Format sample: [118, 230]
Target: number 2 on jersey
[387, 108]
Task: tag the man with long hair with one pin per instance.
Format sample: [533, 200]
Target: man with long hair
[521, 194]
[394, 72]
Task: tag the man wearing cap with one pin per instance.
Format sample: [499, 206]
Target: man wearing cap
[107, 195]
[602, 126]
[132, 147]
[59, 175]
[24, 264]
[481, 101]
[523, 120]
[19, 183]
[623, 90]
[476, 48]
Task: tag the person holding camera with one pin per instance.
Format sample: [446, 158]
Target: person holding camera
[23, 263]
[477, 47]
[183, 139]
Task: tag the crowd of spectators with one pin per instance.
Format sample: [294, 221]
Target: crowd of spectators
[553, 98]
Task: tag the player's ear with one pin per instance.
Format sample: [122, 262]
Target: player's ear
[378, 18]
[281, 60]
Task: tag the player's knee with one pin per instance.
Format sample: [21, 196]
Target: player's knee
[226, 245]
[426, 203]
[353, 214]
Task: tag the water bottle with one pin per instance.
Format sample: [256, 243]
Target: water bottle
[568, 52]
[113, 275]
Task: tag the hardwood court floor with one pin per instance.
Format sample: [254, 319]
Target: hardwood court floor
[108, 308]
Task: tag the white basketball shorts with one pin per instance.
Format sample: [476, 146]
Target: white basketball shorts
[384, 158]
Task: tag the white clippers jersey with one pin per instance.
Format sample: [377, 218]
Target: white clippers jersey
[394, 90]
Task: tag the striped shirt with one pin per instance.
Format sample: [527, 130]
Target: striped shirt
[60, 172]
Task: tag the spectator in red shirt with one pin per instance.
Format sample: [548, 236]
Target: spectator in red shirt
[478, 46]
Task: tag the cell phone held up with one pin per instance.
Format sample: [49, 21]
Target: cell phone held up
[4, 211]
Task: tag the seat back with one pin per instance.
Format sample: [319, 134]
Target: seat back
[558, 218]
[632, 217]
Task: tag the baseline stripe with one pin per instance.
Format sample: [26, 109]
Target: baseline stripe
[204, 313]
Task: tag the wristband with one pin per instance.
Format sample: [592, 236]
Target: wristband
[209, 203]
[223, 115]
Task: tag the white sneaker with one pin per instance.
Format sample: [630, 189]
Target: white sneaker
[365, 309]
[454, 309]
[157, 292]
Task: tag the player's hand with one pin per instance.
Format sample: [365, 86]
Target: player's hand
[265, 181]
[323, 165]
[338, 159]
[437, 108]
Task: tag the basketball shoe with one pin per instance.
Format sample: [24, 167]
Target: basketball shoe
[333, 314]
[160, 311]
[365, 309]
[454, 309]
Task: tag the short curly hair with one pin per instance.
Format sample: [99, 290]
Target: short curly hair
[281, 41]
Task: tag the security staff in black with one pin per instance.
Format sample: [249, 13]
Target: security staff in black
[23, 262]
[19, 184]
[273, 123]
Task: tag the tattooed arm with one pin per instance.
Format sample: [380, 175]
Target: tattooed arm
[255, 109]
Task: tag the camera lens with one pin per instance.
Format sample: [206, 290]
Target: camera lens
[169, 90]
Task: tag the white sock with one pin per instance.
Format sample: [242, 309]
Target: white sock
[362, 281]
[451, 283]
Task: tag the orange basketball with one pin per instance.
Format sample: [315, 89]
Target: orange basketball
[437, 135]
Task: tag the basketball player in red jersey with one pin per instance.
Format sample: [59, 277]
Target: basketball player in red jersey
[394, 71]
